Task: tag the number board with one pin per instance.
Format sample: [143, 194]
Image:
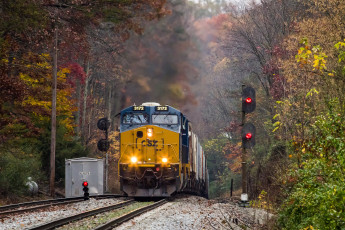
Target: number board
[162, 108]
[138, 108]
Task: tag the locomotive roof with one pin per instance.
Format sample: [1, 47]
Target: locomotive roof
[150, 107]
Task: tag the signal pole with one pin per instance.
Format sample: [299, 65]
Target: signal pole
[103, 145]
[248, 135]
[244, 157]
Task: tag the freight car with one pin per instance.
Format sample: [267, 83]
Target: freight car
[160, 154]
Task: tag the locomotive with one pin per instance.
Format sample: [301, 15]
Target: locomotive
[159, 153]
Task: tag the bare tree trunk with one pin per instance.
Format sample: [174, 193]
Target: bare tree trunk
[86, 91]
[79, 107]
[53, 118]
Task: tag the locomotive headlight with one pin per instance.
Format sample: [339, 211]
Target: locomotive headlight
[134, 160]
[165, 160]
[149, 132]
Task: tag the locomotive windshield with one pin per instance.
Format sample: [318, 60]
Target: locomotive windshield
[164, 119]
[135, 118]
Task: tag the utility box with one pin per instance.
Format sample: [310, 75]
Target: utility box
[82, 169]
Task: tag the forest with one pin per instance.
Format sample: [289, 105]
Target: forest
[195, 56]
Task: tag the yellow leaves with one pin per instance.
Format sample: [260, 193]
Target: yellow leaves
[30, 100]
[40, 90]
[4, 60]
[320, 61]
[316, 62]
[62, 74]
[314, 56]
[28, 80]
[339, 45]
[311, 91]
[309, 228]
[276, 125]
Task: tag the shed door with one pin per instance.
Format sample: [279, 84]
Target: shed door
[77, 188]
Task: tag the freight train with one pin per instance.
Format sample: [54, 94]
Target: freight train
[160, 154]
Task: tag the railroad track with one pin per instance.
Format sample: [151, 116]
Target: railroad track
[108, 225]
[115, 222]
[42, 204]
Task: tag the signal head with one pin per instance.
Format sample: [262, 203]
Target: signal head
[248, 100]
[249, 136]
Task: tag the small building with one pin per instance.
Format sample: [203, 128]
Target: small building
[82, 169]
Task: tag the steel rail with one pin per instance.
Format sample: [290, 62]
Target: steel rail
[16, 211]
[38, 202]
[63, 221]
[115, 222]
[14, 208]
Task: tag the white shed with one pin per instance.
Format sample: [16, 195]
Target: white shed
[82, 169]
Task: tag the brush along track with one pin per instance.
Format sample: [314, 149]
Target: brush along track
[63, 221]
[41, 204]
[115, 222]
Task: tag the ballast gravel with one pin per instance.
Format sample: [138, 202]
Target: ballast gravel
[198, 213]
[184, 212]
[27, 220]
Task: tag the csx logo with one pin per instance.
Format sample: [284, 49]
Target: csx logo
[149, 142]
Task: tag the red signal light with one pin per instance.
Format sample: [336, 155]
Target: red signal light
[85, 183]
[249, 100]
[249, 135]
[157, 169]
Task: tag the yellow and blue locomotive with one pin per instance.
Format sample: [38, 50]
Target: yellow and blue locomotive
[160, 155]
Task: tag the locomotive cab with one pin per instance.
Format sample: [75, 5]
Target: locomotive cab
[159, 153]
[149, 162]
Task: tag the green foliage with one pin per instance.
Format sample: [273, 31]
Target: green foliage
[215, 157]
[20, 15]
[66, 147]
[15, 167]
[316, 196]
[222, 185]
[219, 171]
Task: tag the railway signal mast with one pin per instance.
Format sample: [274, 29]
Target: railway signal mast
[86, 190]
[248, 134]
[104, 144]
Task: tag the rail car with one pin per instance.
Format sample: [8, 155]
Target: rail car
[160, 154]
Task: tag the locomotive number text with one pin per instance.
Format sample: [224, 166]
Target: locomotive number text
[161, 108]
[138, 108]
